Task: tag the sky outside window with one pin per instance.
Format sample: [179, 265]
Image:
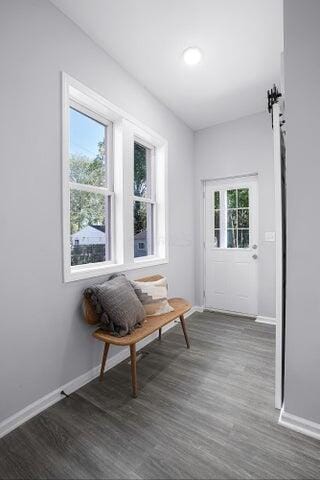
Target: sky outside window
[85, 135]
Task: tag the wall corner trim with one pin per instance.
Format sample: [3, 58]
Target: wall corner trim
[31, 410]
[267, 320]
[299, 424]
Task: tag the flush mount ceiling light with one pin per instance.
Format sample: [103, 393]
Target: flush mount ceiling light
[192, 55]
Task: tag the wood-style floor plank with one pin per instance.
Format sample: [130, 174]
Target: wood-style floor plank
[204, 413]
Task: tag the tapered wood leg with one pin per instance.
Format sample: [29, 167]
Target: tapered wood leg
[184, 328]
[104, 359]
[133, 356]
[160, 332]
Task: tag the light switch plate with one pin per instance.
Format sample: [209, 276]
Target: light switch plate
[269, 236]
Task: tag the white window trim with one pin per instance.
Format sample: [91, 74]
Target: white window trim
[126, 129]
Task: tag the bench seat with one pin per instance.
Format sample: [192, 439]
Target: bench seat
[150, 325]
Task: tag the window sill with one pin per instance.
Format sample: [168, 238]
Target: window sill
[92, 271]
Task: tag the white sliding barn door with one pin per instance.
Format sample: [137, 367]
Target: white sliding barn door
[279, 253]
[231, 245]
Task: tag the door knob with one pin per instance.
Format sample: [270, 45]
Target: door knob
[254, 247]
[254, 257]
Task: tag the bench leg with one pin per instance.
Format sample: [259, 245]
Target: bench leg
[184, 328]
[133, 356]
[104, 359]
[160, 331]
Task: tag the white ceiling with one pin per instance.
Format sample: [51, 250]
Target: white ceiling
[241, 41]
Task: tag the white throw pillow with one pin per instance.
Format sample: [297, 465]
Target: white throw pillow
[153, 296]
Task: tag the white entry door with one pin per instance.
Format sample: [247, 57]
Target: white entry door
[231, 245]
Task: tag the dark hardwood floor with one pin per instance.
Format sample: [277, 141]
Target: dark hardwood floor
[201, 413]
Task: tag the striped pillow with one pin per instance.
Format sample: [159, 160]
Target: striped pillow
[153, 296]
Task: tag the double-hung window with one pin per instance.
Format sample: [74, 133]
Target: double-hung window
[114, 188]
[144, 199]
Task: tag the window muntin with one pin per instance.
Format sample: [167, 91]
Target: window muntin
[144, 199]
[231, 218]
[90, 194]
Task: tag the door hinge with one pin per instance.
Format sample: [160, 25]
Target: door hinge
[204, 245]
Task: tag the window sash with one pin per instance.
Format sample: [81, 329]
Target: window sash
[150, 172]
[108, 144]
[151, 230]
[109, 225]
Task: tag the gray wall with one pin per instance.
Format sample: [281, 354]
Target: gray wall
[302, 81]
[44, 342]
[241, 147]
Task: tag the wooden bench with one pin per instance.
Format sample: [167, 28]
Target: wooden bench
[150, 325]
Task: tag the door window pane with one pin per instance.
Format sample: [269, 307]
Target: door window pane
[243, 197]
[232, 198]
[216, 242]
[142, 171]
[243, 218]
[143, 229]
[87, 150]
[232, 218]
[217, 219]
[231, 238]
[243, 238]
[89, 239]
[216, 200]
[238, 218]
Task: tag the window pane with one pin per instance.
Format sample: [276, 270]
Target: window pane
[89, 240]
[231, 238]
[232, 218]
[142, 171]
[143, 229]
[232, 198]
[216, 200]
[243, 197]
[243, 218]
[217, 219]
[243, 238]
[87, 150]
[216, 241]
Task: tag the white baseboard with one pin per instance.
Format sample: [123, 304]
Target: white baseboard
[298, 424]
[228, 313]
[53, 397]
[193, 310]
[267, 320]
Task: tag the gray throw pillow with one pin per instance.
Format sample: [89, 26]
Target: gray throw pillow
[106, 324]
[118, 299]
